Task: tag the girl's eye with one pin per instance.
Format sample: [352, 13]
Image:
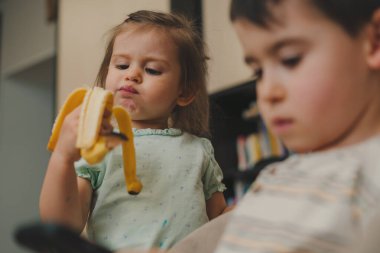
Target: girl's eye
[291, 61]
[122, 66]
[153, 71]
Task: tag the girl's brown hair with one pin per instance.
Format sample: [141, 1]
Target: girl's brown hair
[193, 118]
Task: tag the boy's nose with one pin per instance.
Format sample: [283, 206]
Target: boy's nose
[271, 91]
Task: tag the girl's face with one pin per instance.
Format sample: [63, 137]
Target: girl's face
[315, 90]
[144, 75]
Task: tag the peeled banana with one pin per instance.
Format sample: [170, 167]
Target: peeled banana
[93, 146]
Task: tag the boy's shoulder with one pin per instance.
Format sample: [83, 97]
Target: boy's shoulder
[354, 168]
[366, 150]
[340, 165]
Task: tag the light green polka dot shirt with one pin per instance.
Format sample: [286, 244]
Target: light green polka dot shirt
[178, 172]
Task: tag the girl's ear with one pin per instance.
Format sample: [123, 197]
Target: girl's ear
[374, 41]
[185, 100]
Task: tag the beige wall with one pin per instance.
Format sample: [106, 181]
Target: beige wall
[81, 37]
[226, 65]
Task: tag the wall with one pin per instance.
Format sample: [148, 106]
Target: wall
[26, 117]
[226, 66]
[26, 113]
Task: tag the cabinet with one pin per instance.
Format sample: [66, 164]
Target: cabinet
[227, 125]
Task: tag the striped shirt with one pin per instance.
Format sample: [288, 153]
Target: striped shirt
[317, 202]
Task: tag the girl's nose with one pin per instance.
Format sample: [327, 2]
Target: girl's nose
[133, 74]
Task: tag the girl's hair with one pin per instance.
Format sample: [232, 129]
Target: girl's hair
[193, 118]
[351, 15]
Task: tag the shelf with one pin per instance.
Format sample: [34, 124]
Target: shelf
[226, 110]
[226, 123]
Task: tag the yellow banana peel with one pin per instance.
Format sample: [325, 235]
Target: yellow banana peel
[93, 146]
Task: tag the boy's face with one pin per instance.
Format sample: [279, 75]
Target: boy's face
[313, 82]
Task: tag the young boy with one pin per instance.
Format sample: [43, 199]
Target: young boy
[317, 68]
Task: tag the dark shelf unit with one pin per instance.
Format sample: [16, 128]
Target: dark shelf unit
[226, 123]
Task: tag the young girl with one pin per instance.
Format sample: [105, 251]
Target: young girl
[317, 68]
[155, 64]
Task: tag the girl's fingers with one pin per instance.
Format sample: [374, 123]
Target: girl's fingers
[106, 127]
[107, 114]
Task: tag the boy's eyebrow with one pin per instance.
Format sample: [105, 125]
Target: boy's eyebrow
[284, 42]
[273, 49]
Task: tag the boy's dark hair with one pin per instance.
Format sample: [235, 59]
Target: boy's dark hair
[349, 14]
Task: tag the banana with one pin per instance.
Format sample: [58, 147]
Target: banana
[93, 147]
[129, 159]
[74, 99]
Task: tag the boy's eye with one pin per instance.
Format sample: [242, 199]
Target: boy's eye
[122, 66]
[153, 71]
[257, 74]
[291, 61]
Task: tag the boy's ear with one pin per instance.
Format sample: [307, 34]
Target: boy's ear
[374, 41]
[185, 100]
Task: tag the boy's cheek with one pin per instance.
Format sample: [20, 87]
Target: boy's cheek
[263, 110]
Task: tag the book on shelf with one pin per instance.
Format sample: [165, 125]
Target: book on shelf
[251, 150]
[252, 112]
[257, 146]
[241, 152]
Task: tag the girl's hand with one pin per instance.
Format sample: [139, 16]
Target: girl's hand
[106, 126]
[65, 146]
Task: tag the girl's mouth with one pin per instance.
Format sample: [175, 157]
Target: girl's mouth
[128, 90]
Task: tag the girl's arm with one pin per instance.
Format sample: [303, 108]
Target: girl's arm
[216, 205]
[65, 198]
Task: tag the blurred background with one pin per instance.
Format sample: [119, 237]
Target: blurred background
[49, 47]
